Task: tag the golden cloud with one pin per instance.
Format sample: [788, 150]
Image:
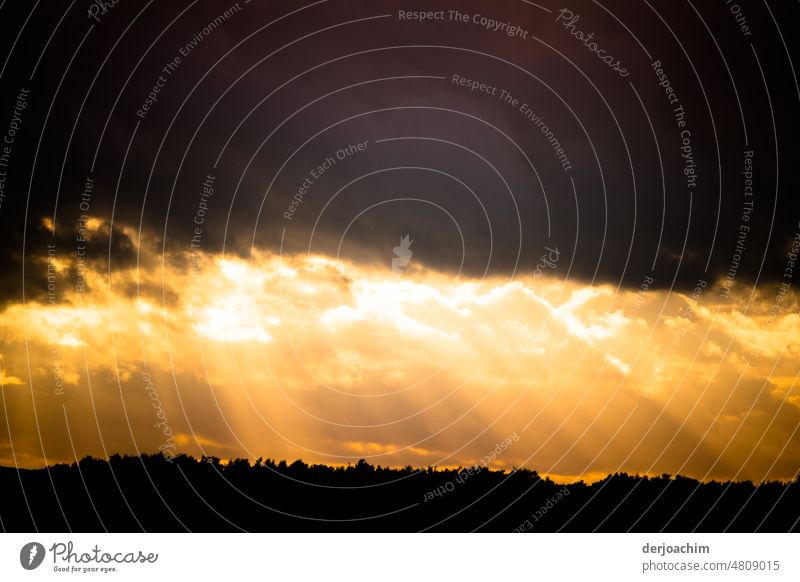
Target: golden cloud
[305, 356]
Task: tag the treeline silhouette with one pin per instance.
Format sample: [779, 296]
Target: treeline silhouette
[156, 494]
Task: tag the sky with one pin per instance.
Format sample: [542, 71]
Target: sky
[337, 230]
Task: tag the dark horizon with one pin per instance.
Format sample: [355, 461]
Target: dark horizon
[121, 494]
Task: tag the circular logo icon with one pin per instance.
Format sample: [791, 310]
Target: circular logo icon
[31, 555]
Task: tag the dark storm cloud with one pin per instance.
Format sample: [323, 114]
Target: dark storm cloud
[479, 169]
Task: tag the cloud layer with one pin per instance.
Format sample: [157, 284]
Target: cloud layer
[304, 357]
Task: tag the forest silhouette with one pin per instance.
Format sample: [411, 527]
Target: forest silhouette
[158, 494]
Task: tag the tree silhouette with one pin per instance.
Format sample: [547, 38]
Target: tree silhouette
[154, 493]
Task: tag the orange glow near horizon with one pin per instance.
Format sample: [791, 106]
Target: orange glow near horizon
[330, 361]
